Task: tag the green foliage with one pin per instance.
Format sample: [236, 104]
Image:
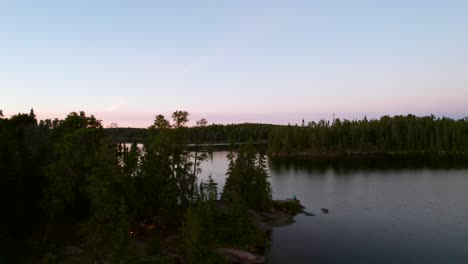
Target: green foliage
[242, 231]
[22, 157]
[160, 122]
[180, 118]
[79, 120]
[130, 159]
[200, 231]
[60, 174]
[388, 134]
[247, 179]
[208, 190]
[192, 231]
[87, 184]
[206, 227]
[202, 122]
[69, 173]
[130, 134]
[78, 175]
[108, 224]
[201, 133]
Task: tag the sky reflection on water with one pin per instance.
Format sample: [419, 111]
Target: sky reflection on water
[381, 211]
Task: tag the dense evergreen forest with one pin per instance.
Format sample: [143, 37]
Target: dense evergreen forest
[214, 133]
[69, 188]
[398, 134]
[72, 185]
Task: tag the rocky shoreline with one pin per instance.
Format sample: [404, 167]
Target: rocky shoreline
[281, 214]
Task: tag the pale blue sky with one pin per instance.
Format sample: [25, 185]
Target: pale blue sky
[234, 61]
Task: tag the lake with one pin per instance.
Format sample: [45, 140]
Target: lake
[381, 209]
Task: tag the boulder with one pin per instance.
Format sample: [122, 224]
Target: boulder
[240, 256]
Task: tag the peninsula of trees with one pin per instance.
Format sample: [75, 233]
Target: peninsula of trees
[70, 193]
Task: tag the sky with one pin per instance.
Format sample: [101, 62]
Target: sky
[234, 61]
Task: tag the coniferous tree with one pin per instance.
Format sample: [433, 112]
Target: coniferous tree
[160, 122]
[247, 179]
[108, 225]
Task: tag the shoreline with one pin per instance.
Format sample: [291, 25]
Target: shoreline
[281, 214]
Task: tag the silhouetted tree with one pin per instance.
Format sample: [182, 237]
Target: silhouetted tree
[202, 122]
[160, 122]
[247, 179]
[180, 118]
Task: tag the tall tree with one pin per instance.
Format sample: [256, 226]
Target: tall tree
[160, 122]
[202, 122]
[22, 158]
[74, 145]
[247, 179]
[180, 118]
[108, 221]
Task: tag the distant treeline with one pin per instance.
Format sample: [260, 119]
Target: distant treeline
[200, 134]
[388, 134]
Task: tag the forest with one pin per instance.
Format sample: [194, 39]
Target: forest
[68, 186]
[397, 134]
[71, 184]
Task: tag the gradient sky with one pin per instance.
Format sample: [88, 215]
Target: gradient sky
[234, 61]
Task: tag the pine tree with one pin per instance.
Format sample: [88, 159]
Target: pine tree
[247, 179]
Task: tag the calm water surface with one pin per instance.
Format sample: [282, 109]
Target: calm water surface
[381, 211]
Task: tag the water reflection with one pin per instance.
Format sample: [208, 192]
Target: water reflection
[348, 164]
[383, 209]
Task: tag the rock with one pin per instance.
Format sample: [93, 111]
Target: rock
[279, 222]
[325, 210]
[285, 201]
[264, 227]
[240, 256]
[308, 214]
